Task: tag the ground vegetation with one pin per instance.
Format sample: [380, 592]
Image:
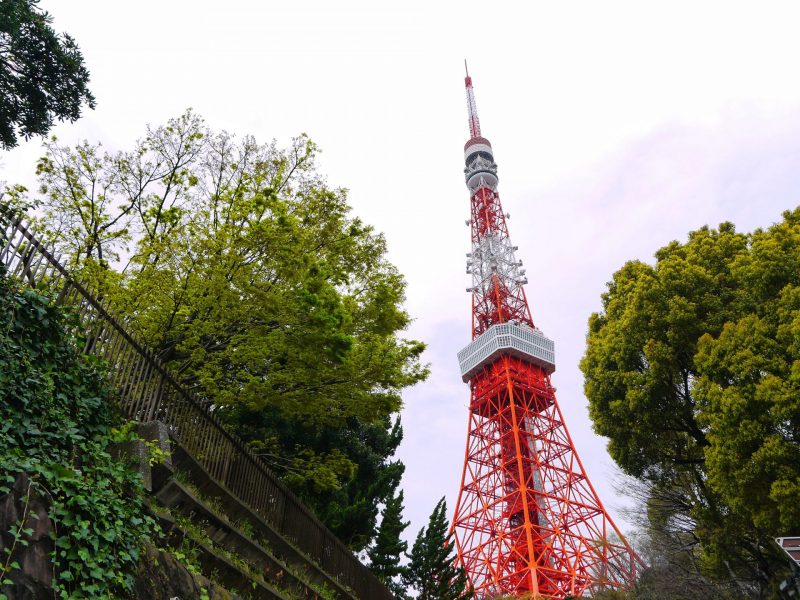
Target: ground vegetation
[56, 424]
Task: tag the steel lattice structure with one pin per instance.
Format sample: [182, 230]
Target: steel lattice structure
[527, 519]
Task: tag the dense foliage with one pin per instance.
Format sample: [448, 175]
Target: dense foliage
[247, 274]
[55, 425]
[42, 75]
[433, 572]
[693, 372]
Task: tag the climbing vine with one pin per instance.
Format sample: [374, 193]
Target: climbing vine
[56, 425]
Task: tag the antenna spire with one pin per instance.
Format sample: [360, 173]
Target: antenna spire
[474, 123]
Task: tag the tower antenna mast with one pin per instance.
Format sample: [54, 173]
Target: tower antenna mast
[474, 123]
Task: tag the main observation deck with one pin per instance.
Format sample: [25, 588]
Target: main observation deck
[511, 339]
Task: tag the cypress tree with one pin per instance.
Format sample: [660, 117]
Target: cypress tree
[433, 570]
[385, 554]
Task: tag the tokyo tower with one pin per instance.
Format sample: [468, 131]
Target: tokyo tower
[527, 520]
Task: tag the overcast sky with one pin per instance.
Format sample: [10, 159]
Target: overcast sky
[617, 127]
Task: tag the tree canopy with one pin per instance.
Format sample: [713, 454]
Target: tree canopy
[247, 273]
[692, 371]
[42, 75]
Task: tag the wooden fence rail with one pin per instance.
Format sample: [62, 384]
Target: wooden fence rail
[148, 391]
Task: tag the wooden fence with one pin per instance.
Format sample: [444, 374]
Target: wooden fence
[148, 391]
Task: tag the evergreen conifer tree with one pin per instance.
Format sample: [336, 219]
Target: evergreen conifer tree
[385, 554]
[434, 571]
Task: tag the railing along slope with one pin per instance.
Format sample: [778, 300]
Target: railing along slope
[148, 391]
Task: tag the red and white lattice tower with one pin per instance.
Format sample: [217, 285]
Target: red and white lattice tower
[527, 519]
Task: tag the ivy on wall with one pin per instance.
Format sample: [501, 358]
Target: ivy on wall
[56, 424]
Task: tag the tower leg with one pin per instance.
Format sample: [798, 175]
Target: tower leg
[527, 520]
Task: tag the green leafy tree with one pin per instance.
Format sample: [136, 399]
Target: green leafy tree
[691, 373]
[433, 569]
[42, 75]
[387, 551]
[249, 276]
[97, 203]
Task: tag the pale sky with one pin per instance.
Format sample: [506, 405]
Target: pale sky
[617, 127]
